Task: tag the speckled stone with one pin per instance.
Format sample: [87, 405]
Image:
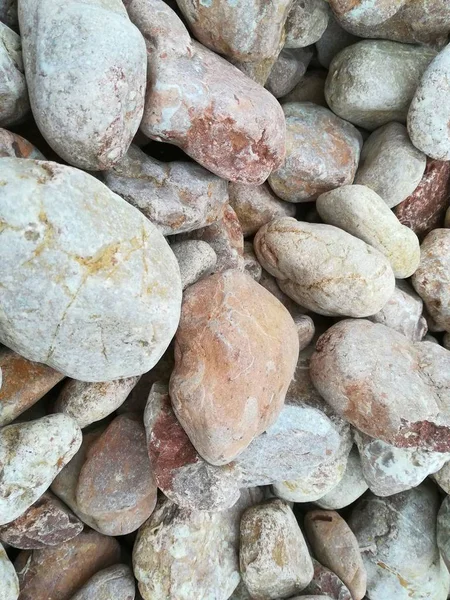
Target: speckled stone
[96, 60]
[15, 103]
[306, 22]
[15, 146]
[116, 582]
[288, 70]
[311, 88]
[104, 288]
[334, 39]
[10, 584]
[196, 260]
[326, 582]
[322, 153]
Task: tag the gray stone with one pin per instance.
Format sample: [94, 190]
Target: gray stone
[310, 88]
[333, 40]
[288, 70]
[442, 477]
[196, 260]
[15, 104]
[251, 264]
[9, 589]
[116, 582]
[306, 22]
[443, 530]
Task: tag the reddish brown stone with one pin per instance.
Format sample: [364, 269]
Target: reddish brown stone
[425, 208]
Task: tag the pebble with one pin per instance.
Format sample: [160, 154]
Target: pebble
[217, 115]
[385, 385]
[96, 59]
[15, 146]
[228, 384]
[288, 70]
[362, 212]
[428, 115]
[15, 104]
[104, 288]
[251, 264]
[31, 455]
[336, 547]
[432, 277]
[390, 165]
[24, 383]
[175, 196]
[425, 208]
[324, 268]
[322, 153]
[372, 83]
[196, 260]
[334, 39]
[48, 522]
[57, 573]
[274, 557]
[306, 23]
[8, 577]
[116, 582]
[326, 582]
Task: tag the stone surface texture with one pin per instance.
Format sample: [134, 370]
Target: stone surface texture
[288, 70]
[113, 583]
[326, 582]
[306, 23]
[196, 260]
[8, 577]
[15, 103]
[15, 146]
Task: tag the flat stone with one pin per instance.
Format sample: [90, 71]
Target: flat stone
[334, 39]
[8, 577]
[288, 70]
[326, 582]
[196, 260]
[15, 146]
[104, 288]
[306, 22]
[113, 582]
[15, 103]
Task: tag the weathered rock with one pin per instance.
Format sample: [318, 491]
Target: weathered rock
[322, 153]
[274, 558]
[24, 383]
[425, 208]
[114, 582]
[8, 13]
[443, 530]
[442, 477]
[390, 165]
[176, 196]
[15, 104]
[432, 277]
[48, 522]
[333, 40]
[288, 70]
[104, 288]
[306, 22]
[251, 264]
[365, 12]
[31, 455]
[57, 573]
[96, 59]
[8, 577]
[243, 379]
[326, 582]
[428, 115]
[16, 146]
[324, 268]
[196, 259]
[335, 545]
[199, 102]
[362, 212]
[310, 89]
[373, 82]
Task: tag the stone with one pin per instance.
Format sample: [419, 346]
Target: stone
[241, 593]
[274, 558]
[8, 13]
[442, 477]
[15, 146]
[196, 260]
[403, 312]
[334, 39]
[306, 23]
[8, 577]
[180, 473]
[90, 402]
[228, 384]
[31, 455]
[198, 101]
[15, 104]
[362, 212]
[56, 573]
[48, 522]
[270, 284]
[288, 70]
[336, 547]
[96, 59]
[326, 582]
[372, 83]
[251, 264]
[443, 530]
[310, 89]
[432, 277]
[350, 488]
[390, 165]
[385, 385]
[24, 383]
[116, 484]
[425, 208]
[190, 554]
[322, 153]
[365, 12]
[305, 329]
[256, 205]
[104, 288]
[176, 196]
[324, 268]
[397, 539]
[113, 582]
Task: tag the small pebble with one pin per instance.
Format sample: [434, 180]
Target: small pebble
[196, 260]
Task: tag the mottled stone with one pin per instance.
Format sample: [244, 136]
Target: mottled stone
[425, 208]
[373, 82]
[15, 146]
[324, 268]
[90, 402]
[288, 70]
[251, 264]
[322, 153]
[116, 582]
[57, 573]
[9, 582]
[385, 385]
[333, 40]
[175, 196]
[326, 582]
[196, 260]
[48, 522]
[96, 60]
[432, 278]
[243, 379]
[365, 12]
[31, 455]
[103, 287]
[198, 101]
[336, 547]
[390, 165]
[24, 383]
[306, 22]
[362, 212]
[15, 104]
